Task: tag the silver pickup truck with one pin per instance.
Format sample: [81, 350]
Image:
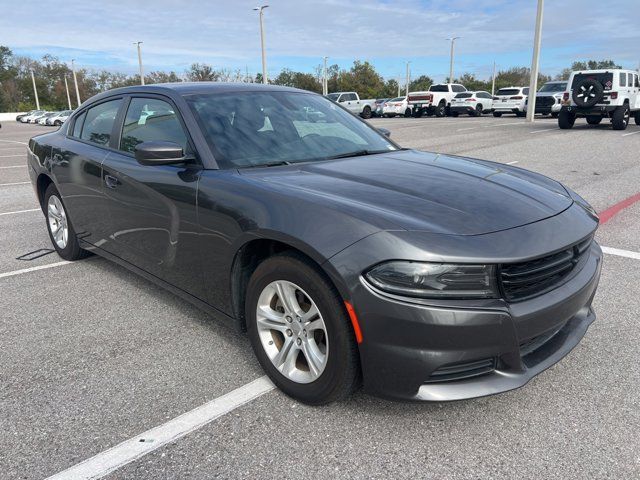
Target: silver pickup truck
[351, 101]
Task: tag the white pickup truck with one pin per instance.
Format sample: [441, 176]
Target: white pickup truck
[435, 101]
[351, 101]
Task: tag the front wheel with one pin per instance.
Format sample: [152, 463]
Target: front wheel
[366, 112]
[300, 331]
[61, 232]
[566, 119]
[441, 109]
[407, 113]
[620, 118]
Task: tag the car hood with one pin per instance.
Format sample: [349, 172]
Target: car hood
[414, 190]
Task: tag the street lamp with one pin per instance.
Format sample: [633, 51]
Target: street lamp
[140, 63]
[533, 82]
[264, 58]
[453, 41]
[75, 80]
[325, 83]
[408, 79]
[35, 90]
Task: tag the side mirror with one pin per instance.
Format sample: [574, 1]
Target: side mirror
[159, 153]
[385, 132]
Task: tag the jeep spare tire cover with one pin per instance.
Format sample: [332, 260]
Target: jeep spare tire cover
[588, 92]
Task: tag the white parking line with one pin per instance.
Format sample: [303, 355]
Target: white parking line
[13, 141]
[14, 166]
[21, 211]
[10, 156]
[136, 447]
[10, 184]
[545, 130]
[503, 124]
[632, 133]
[33, 269]
[621, 253]
[512, 163]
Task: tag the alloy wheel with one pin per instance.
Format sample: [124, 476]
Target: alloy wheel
[292, 331]
[58, 224]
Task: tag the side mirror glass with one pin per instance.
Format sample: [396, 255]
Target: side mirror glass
[159, 153]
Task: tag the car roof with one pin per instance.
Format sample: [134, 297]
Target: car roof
[605, 70]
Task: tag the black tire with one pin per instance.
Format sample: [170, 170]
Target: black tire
[341, 374]
[407, 113]
[479, 111]
[455, 114]
[72, 250]
[521, 114]
[57, 123]
[566, 119]
[366, 112]
[587, 92]
[417, 113]
[620, 118]
[497, 114]
[594, 119]
[637, 117]
[441, 109]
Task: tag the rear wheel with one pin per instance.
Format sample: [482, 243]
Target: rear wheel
[479, 110]
[366, 112]
[61, 232]
[497, 114]
[440, 110]
[566, 119]
[637, 117]
[407, 113]
[620, 118]
[594, 119]
[300, 331]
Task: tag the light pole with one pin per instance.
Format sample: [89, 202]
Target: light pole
[75, 80]
[35, 90]
[66, 86]
[533, 82]
[408, 79]
[493, 79]
[453, 41]
[140, 63]
[264, 57]
[325, 83]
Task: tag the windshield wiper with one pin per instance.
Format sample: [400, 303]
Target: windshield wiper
[357, 153]
[270, 164]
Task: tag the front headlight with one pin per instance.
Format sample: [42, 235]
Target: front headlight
[434, 280]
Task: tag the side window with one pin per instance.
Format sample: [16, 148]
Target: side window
[99, 122]
[77, 126]
[457, 88]
[623, 79]
[150, 119]
[525, 91]
[630, 80]
[635, 76]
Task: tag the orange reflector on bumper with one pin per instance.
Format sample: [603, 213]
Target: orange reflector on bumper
[354, 321]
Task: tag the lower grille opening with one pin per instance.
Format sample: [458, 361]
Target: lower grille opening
[460, 371]
[537, 342]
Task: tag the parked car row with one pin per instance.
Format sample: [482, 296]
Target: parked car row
[42, 117]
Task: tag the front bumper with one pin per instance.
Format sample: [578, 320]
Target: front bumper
[410, 357]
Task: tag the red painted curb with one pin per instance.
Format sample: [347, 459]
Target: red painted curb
[612, 211]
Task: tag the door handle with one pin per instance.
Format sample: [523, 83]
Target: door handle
[111, 181]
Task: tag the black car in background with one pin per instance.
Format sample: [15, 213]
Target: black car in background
[346, 258]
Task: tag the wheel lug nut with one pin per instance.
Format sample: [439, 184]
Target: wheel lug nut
[299, 319]
[289, 332]
[298, 341]
[304, 332]
[288, 319]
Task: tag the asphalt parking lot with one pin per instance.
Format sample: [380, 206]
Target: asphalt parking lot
[92, 356]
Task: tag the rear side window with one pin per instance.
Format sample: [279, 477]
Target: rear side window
[439, 88]
[77, 126]
[630, 80]
[623, 79]
[99, 122]
[635, 77]
[525, 91]
[458, 88]
[150, 119]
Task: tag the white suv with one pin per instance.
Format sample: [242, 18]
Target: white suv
[510, 100]
[598, 94]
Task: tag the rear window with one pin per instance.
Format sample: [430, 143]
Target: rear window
[606, 79]
[463, 95]
[508, 91]
[439, 88]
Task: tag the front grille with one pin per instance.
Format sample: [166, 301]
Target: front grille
[520, 281]
[538, 341]
[545, 101]
[459, 371]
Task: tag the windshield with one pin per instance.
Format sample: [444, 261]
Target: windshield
[554, 87]
[333, 96]
[439, 88]
[249, 129]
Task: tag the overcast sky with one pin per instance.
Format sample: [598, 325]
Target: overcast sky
[299, 33]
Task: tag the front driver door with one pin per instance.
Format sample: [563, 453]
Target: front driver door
[152, 209]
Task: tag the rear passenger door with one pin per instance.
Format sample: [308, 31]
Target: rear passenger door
[77, 168]
[152, 208]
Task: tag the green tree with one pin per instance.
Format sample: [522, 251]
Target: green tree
[363, 79]
[587, 65]
[421, 83]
